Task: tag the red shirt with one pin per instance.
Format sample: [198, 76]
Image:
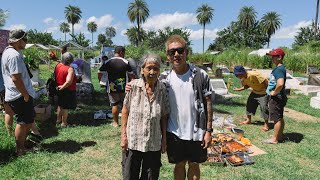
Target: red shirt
[61, 76]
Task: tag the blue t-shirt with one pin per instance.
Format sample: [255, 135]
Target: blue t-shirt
[277, 73]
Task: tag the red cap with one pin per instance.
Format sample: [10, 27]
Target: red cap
[276, 52]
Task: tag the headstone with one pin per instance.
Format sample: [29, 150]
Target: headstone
[219, 73]
[315, 102]
[84, 70]
[218, 86]
[84, 91]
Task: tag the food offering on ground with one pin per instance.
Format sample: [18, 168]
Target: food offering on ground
[246, 141]
[234, 159]
[234, 146]
[219, 138]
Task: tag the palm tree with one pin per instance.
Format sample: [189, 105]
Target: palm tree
[3, 16]
[247, 17]
[73, 15]
[133, 35]
[270, 22]
[316, 23]
[204, 16]
[138, 11]
[101, 39]
[92, 27]
[64, 28]
[110, 32]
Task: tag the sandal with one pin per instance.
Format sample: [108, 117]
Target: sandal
[268, 141]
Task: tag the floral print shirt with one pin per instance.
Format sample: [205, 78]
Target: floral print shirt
[144, 126]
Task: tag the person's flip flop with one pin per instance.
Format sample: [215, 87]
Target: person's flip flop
[268, 141]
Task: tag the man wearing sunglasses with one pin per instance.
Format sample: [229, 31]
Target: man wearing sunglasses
[190, 119]
[19, 92]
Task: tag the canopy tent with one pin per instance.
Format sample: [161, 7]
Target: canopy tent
[71, 45]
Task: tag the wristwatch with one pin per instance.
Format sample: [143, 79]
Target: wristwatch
[210, 130]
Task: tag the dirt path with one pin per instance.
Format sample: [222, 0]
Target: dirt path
[299, 116]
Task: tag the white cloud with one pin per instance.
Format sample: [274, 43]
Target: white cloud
[209, 34]
[290, 31]
[175, 20]
[102, 22]
[17, 26]
[52, 25]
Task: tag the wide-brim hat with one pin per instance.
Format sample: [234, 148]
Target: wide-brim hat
[15, 35]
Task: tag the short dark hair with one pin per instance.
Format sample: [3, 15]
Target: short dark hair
[119, 49]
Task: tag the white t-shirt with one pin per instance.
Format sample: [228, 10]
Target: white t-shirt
[13, 63]
[183, 113]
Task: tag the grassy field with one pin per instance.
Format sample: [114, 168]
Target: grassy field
[91, 150]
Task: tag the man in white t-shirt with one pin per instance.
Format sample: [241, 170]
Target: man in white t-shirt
[190, 120]
[19, 92]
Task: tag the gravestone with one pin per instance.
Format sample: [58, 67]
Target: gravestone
[315, 102]
[218, 86]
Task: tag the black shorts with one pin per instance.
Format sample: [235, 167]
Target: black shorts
[179, 150]
[255, 100]
[67, 99]
[276, 107]
[24, 110]
[131, 164]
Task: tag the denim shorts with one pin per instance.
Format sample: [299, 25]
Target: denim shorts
[24, 110]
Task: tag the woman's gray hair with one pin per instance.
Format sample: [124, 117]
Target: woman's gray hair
[67, 58]
[150, 58]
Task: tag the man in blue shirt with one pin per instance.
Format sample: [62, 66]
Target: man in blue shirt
[277, 95]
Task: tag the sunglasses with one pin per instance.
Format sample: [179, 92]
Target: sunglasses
[172, 52]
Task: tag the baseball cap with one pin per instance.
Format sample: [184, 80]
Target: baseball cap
[239, 70]
[276, 52]
[15, 35]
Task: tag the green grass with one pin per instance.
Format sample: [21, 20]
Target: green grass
[91, 149]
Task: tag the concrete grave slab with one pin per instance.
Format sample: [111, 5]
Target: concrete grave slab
[315, 102]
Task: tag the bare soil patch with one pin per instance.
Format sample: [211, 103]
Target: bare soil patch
[299, 116]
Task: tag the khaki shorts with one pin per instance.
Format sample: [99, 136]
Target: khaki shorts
[116, 98]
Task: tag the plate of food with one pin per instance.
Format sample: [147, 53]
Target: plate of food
[239, 159]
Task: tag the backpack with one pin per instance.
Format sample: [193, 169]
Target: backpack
[52, 84]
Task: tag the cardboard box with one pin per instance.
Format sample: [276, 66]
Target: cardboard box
[43, 112]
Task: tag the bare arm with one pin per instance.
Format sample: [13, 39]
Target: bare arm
[241, 88]
[16, 78]
[164, 122]
[207, 136]
[69, 79]
[279, 86]
[124, 120]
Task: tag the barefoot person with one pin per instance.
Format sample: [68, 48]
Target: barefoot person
[277, 95]
[119, 73]
[258, 95]
[144, 122]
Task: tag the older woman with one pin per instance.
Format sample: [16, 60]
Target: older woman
[66, 86]
[144, 123]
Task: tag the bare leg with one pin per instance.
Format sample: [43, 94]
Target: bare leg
[64, 117]
[8, 118]
[248, 121]
[59, 115]
[278, 130]
[21, 135]
[265, 126]
[180, 171]
[115, 115]
[193, 171]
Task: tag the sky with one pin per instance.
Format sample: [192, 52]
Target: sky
[46, 15]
